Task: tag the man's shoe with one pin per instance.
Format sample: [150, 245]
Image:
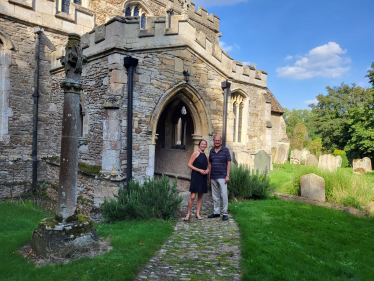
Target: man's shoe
[214, 216]
[225, 217]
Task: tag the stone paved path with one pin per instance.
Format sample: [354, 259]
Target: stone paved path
[198, 250]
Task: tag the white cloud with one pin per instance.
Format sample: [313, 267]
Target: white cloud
[289, 58]
[225, 47]
[327, 61]
[209, 3]
[315, 101]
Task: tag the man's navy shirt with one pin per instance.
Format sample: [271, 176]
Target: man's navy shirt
[219, 160]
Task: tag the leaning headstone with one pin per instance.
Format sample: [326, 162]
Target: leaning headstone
[339, 161]
[362, 166]
[313, 187]
[311, 160]
[327, 162]
[262, 163]
[304, 153]
[295, 157]
[282, 154]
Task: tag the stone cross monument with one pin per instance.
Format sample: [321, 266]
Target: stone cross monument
[67, 192]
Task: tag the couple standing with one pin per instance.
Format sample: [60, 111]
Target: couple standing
[216, 167]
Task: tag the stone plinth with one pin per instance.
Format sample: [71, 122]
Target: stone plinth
[311, 160]
[313, 187]
[362, 166]
[59, 239]
[327, 162]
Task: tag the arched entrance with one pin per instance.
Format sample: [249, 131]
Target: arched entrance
[178, 123]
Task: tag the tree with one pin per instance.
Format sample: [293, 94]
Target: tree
[331, 114]
[371, 74]
[315, 146]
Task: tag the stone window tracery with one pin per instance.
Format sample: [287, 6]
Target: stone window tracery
[238, 103]
[64, 5]
[137, 10]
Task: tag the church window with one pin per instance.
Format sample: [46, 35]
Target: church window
[79, 2]
[65, 6]
[169, 19]
[238, 129]
[143, 22]
[234, 107]
[128, 12]
[240, 121]
[136, 12]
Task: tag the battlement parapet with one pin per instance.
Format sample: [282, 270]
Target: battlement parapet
[125, 33]
[48, 14]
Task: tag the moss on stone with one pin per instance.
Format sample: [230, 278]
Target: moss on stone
[89, 169]
[84, 200]
[54, 159]
[50, 222]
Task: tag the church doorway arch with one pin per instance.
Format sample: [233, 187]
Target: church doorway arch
[178, 123]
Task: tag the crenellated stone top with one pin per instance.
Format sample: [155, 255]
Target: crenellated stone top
[126, 34]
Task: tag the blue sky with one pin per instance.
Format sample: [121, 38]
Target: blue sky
[303, 45]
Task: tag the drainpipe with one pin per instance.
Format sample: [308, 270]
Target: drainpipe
[130, 64]
[225, 85]
[38, 31]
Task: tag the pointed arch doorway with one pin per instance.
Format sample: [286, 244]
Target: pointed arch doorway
[179, 122]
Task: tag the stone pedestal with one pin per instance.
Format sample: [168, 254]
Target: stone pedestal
[61, 239]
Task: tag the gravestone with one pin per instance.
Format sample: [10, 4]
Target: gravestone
[327, 162]
[262, 163]
[295, 157]
[339, 161]
[304, 153]
[313, 187]
[362, 166]
[281, 155]
[311, 160]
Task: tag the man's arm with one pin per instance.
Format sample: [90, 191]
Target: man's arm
[209, 168]
[228, 171]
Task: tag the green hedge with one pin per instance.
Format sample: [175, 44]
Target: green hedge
[342, 153]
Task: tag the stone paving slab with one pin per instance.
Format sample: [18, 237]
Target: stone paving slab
[197, 250]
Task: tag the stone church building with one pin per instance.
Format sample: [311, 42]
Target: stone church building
[170, 115]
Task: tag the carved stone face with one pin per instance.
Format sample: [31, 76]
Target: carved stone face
[73, 59]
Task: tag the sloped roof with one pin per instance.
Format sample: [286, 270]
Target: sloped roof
[275, 105]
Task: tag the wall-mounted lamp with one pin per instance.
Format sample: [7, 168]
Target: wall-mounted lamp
[186, 76]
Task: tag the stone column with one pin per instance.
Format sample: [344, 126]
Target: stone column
[67, 192]
[196, 139]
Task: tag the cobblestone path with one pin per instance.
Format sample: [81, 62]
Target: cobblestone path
[198, 250]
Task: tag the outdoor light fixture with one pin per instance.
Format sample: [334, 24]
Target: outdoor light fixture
[186, 76]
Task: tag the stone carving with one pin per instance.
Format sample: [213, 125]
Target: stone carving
[362, 166]
[295, 157]
[304, 153]
[339, 161]
[262, 163]
[327, 162]
[313, 187]
[282, 154]
[185, 5]
[311, 160]
[73, 59]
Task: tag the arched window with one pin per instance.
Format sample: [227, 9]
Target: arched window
[170, 13]
[179, 128]
[136, 12]
[237, 101]
[79, 2]
[128, 12]
[143, 22]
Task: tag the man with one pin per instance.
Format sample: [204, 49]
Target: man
[219, 175]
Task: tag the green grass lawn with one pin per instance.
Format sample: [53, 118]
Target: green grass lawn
[285, 240]
[122, 263]
[281, 176]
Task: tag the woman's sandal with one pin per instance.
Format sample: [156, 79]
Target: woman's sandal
[199, 218]
[186, 218]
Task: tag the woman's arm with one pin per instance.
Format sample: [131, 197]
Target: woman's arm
[192, 159]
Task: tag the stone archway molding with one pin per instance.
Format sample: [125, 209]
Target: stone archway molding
[192, 98]
[144, 6]
[8, 44]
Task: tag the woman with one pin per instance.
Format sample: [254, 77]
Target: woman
[199, 165]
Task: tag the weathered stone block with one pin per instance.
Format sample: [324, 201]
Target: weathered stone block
[339, 161]
[327, 162]
[178, 65]
[313, 187]
[311, 160]
[262, 163]
[295, 157]
[361, 165]
[304, 153]
[281, 154]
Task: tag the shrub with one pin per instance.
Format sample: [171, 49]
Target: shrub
[341, 187]
[342, 153]
[153, 199]
[243, 185]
